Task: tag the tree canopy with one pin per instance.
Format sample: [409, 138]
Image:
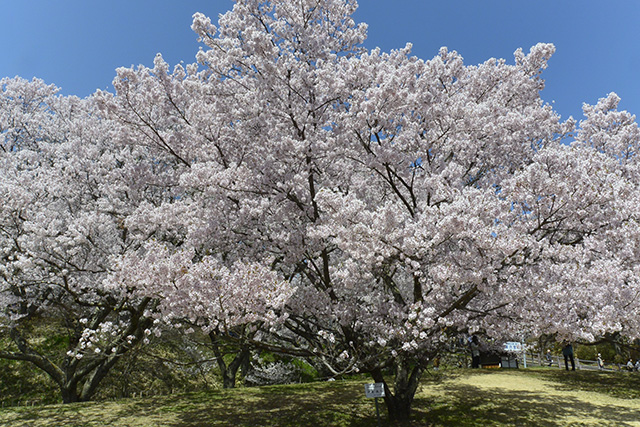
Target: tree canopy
[293, 191]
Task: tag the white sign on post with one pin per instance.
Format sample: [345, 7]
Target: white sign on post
[374, 390]
[515, 347]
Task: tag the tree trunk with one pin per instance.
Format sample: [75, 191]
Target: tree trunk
[91, 384]
[72, 373]
[406, 383]
[239, 360]
[398, 408]
[69, 394]
[230, 371]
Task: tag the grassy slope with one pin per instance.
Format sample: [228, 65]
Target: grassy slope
[540, 397]
[533, 397]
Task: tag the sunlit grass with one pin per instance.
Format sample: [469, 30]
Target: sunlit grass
[540, 397]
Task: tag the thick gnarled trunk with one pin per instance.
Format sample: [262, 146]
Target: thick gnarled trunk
[406, 383]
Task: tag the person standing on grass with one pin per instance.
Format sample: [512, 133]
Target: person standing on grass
[436, 363]
[630, 365]
[600, 362]
[475, 352]
[567, 352]
[549, 358]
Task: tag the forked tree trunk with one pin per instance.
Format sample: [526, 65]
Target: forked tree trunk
[406, 383]
[81, 387]
[69, 395]
[78, 382]
[229, 371]
[229, 374]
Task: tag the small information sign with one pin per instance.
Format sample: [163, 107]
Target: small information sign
[374, 390]
[515, 347]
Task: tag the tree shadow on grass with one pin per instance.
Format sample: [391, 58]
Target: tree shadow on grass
[344, 404]
[465, 405]
[621, 384]
[88, 414]
[336, 404]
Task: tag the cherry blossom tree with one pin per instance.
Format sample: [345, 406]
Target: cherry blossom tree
[382, 203]
[61, 232]
[361, 207]
[170, 138]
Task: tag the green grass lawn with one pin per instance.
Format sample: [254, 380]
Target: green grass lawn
[531, 397]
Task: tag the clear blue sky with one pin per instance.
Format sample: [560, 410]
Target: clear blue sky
[78, 44]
